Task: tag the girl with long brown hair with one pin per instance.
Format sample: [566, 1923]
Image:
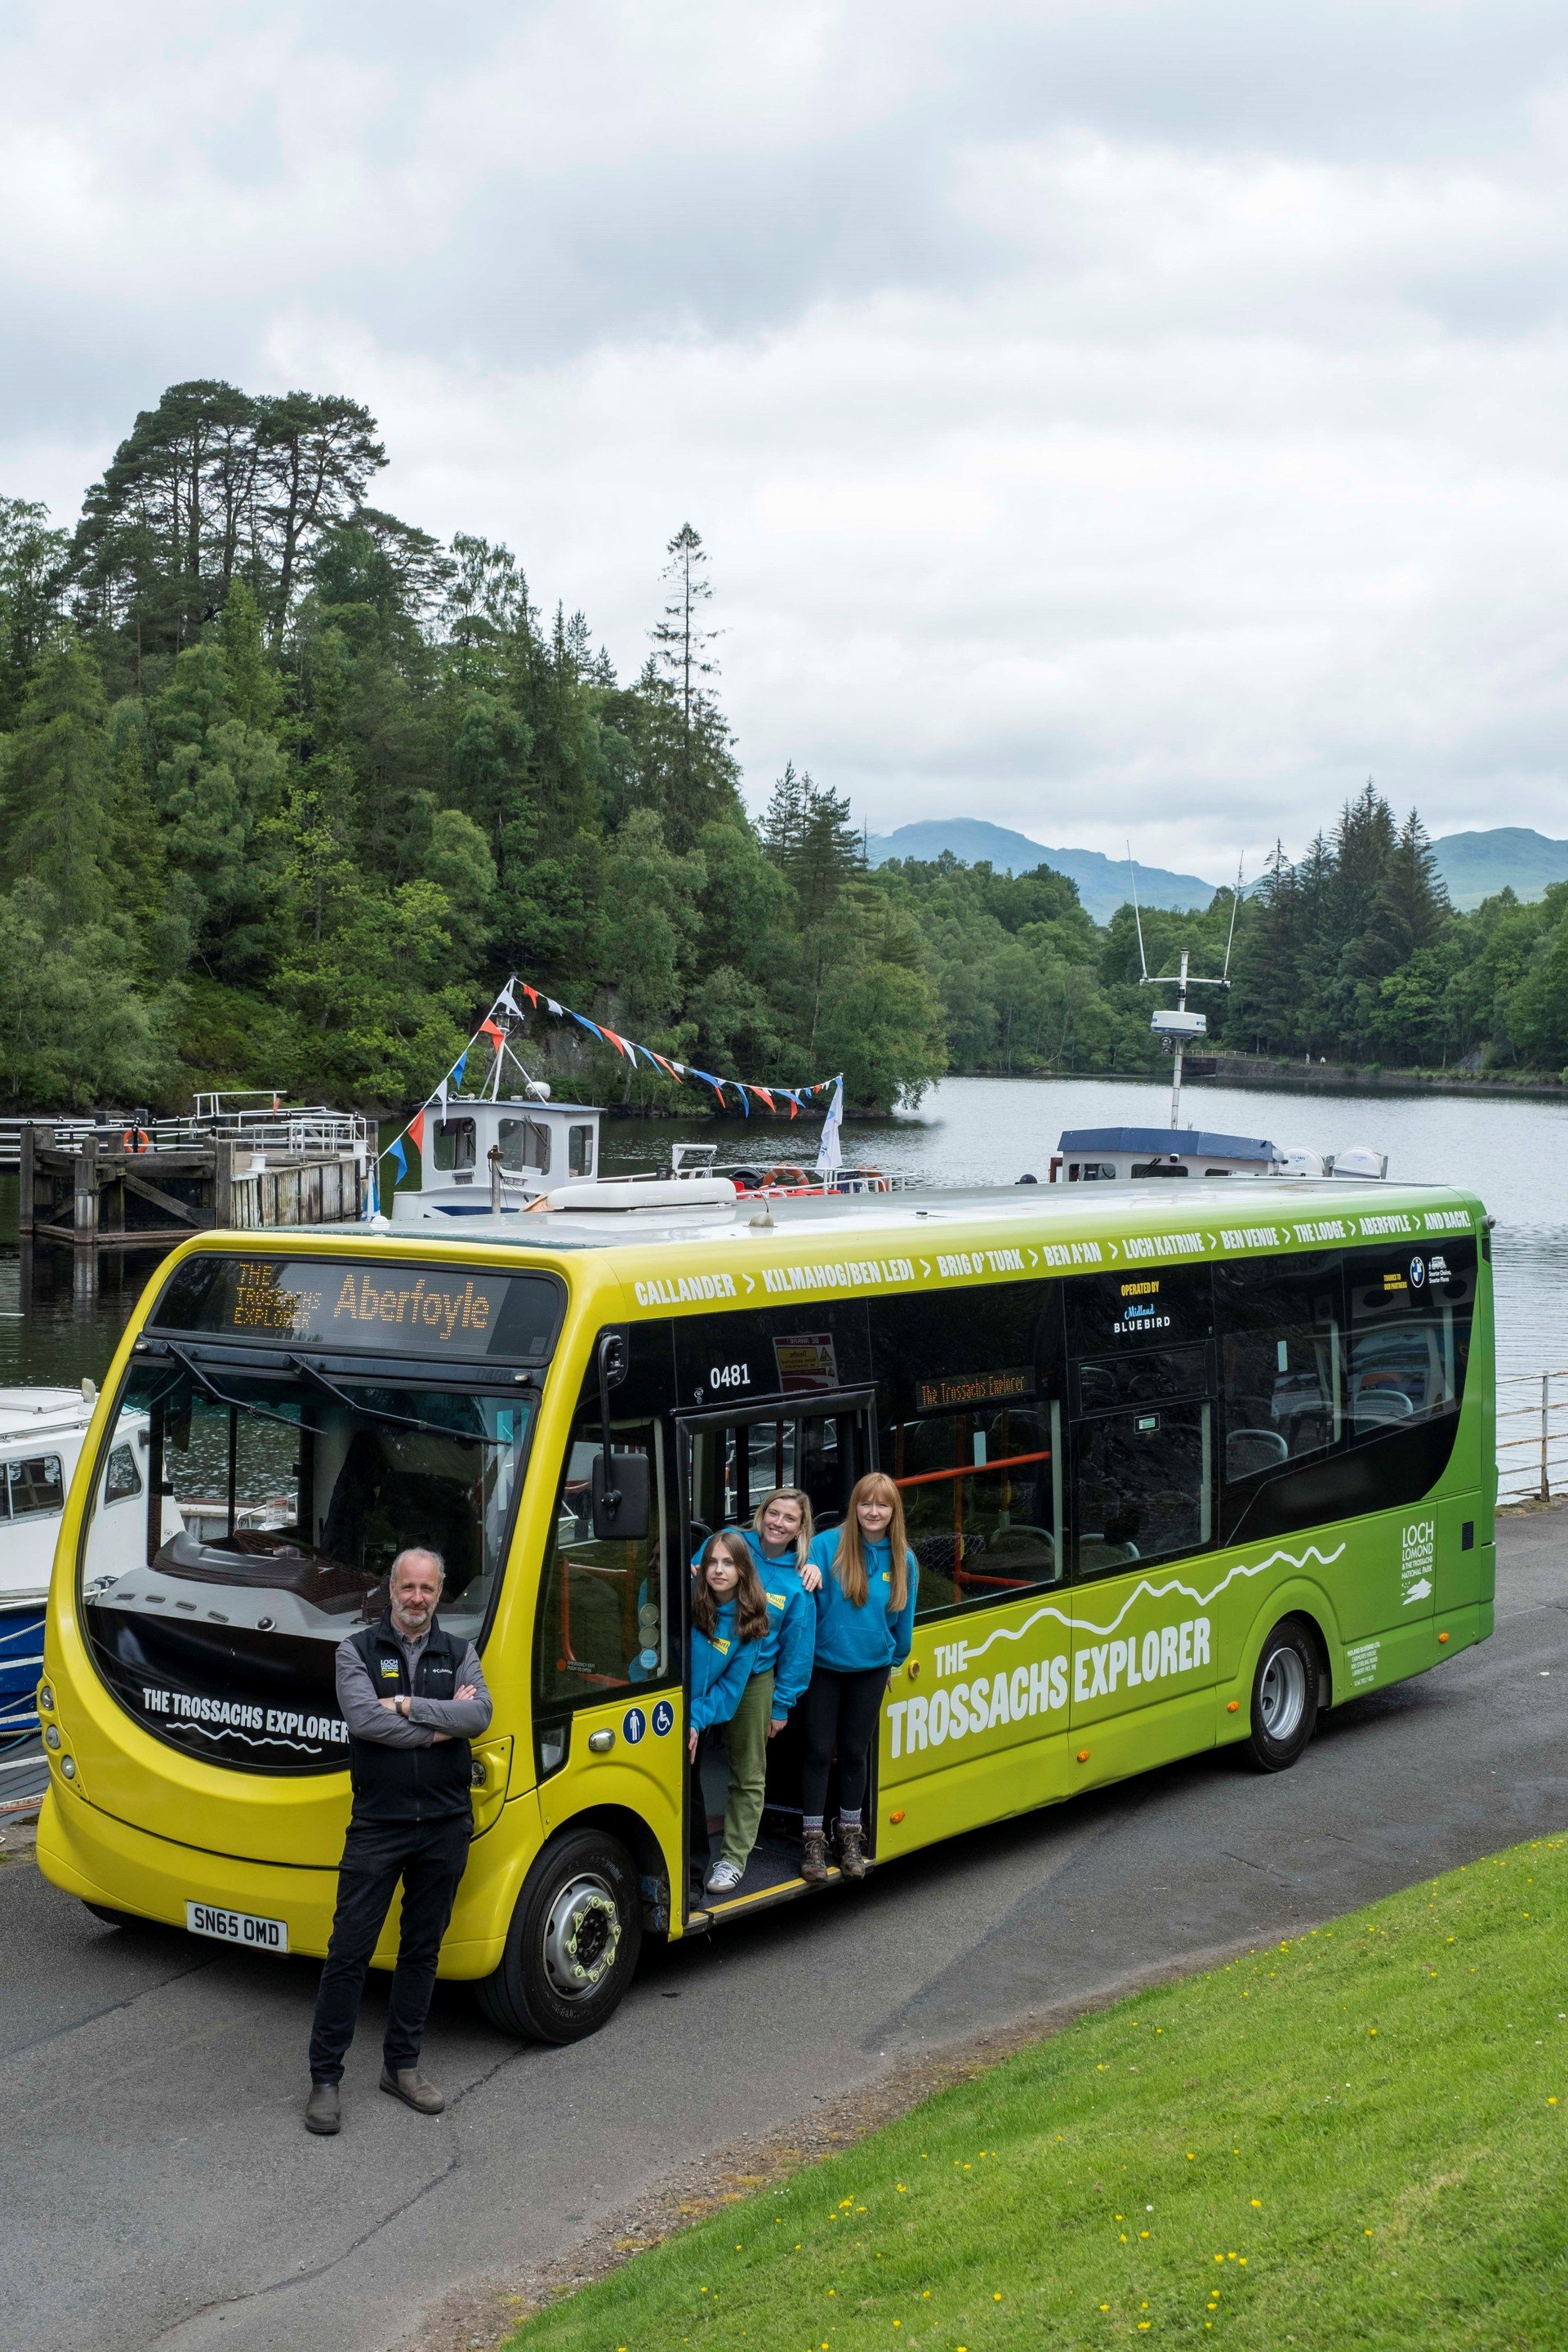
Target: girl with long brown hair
[865, 1622]
[779, 1540]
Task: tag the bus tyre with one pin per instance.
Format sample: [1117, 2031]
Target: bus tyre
[1284, 1696]
[573, 1945]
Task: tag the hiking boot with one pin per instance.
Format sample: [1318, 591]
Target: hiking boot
[414, 2089]
[322, 2110]
[813, 1858]
[851, 1849]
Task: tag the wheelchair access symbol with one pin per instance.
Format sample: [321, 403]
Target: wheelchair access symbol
[663, 1717]
[634, 1724]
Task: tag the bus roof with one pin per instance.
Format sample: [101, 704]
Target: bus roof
[1222, 1217]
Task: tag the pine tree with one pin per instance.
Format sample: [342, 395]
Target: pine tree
[56, 791]
[1412, 901]
[682, 644]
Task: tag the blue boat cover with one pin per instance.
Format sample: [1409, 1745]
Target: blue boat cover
[1190, 1141]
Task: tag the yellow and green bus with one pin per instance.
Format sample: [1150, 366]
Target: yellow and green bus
[1179, 1472]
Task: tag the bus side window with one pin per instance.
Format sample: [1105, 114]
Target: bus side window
[982, 1493]
[969, 1389]
[602, 1620]
[1142, 1486]
[1409, 1337]
[1281, 1362]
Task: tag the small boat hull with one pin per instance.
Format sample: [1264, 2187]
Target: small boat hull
[21, 1664]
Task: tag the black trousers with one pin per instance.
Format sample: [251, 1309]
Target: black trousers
[840, 1712]
[430, 1859]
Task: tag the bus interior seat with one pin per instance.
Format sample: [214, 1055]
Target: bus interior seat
[1248, 1451]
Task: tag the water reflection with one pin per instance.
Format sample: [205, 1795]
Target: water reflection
[989, 1131]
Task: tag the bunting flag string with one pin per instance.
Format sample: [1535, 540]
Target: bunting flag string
[772, 1097]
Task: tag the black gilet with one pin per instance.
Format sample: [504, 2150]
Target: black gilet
[410, 1784]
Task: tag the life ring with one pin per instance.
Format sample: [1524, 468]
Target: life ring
[136, 1139]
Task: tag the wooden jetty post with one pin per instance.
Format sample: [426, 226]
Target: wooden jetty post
[98, 1190]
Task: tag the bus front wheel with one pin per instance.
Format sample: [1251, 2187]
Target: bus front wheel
[572, 1946]
[1285, 1691]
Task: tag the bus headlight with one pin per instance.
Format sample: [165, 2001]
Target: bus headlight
[52, 1735]
[68, 1768]
[45, 1698]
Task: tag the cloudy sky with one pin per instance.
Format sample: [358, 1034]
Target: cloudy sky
[1135, 417]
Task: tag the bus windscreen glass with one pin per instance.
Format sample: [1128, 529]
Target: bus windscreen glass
[274, 1505]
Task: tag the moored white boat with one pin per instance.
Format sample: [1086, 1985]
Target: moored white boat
[42, 1431]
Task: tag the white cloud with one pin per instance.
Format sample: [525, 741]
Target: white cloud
[1105, 420]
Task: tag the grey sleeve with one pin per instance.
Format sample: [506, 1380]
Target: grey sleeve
[362, 1711]
[462, 1718]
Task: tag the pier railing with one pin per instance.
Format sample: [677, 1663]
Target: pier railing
[295, 1130]
[1532, 1436]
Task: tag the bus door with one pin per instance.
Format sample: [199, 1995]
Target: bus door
[1143, 1641]
[729, 1456]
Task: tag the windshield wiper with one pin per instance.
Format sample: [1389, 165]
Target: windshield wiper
[318, 1378]
[237, 1404]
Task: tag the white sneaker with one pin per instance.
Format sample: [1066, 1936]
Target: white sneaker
[723, 1878]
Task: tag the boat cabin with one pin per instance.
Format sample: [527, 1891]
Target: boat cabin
[540, 1144]
[1121, 1155]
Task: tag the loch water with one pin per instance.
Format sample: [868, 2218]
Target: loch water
[992, 1131]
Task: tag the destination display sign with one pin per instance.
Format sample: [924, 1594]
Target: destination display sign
[972, 1388]
[385, 1310]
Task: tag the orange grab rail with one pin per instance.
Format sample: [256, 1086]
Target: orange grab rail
[972, 1469]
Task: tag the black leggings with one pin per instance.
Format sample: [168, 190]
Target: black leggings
[841, 1711]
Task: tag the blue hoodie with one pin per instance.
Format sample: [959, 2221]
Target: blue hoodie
[849, 1640]
[789, 1646]
[720, 1669]
[786, 1650]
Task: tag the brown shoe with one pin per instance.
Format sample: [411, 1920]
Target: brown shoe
[414, 2089]
[813, 1858]
[322, 2112]
[851, 1849]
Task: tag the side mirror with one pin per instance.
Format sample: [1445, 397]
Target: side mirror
[622, 1497]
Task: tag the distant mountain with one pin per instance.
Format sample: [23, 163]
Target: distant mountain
[1477, 866]
[1103, 883]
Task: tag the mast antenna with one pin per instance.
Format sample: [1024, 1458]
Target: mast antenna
[1137, 916]
[1234, 903]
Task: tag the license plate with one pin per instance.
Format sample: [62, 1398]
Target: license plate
[237, 1927]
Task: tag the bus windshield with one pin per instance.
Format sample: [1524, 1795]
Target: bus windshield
[265, 1511]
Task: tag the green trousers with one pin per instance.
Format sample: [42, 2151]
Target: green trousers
[746, 1740]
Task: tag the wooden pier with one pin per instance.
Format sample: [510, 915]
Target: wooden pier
[102, 1191]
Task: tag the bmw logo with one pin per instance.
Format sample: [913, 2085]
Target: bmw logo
[1417, 1272]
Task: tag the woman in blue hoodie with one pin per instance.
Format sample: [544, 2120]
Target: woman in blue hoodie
[864, 1621]
[779, 1540]
[728, 1621]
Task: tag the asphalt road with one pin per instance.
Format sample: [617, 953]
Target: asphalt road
[156, 2188]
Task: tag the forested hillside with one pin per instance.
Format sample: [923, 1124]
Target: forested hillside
[288, 787]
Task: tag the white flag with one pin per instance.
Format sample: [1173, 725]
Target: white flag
[829, 1158]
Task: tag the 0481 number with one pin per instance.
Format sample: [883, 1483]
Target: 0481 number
[729, 1376]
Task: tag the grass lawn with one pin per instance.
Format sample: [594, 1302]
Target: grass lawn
[1352, 2138]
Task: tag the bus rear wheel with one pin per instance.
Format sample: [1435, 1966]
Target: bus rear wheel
[1285, 1691]
[572, 1946]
